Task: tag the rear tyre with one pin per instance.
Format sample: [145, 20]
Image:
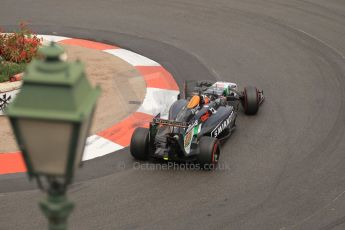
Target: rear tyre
[250, 100]
[139, 146]
[209, 152]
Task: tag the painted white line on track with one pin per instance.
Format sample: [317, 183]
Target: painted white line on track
[97, 146]
[132, 58]
[158, 101]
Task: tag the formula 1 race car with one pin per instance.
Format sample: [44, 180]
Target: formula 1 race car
[205, 115]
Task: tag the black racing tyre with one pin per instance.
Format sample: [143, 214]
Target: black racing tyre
[250, 100]
[139, 146]
[209, 151]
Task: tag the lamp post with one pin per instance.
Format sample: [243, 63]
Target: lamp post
[51, 118]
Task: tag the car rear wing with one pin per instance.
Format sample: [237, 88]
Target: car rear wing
[165, 122]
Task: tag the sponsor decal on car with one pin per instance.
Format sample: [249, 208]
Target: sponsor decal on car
[188, 141]
[192, 131]
[192, 125]
[170, 122]
[222, 126]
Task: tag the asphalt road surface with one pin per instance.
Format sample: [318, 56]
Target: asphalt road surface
[282, 169]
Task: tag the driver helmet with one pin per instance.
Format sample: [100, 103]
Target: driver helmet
[204, 100]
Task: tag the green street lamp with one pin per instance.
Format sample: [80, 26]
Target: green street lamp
[51, 118]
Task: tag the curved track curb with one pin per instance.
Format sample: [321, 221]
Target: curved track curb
[161, 92]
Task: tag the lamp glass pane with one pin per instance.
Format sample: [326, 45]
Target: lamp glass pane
[47, 144]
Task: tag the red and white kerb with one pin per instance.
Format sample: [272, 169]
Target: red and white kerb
[161, 92]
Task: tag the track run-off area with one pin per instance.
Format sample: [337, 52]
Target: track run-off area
[282, 169]
[161, 92]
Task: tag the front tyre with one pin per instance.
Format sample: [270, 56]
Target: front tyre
[209, 151]
[139, 146]
[250, 100]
